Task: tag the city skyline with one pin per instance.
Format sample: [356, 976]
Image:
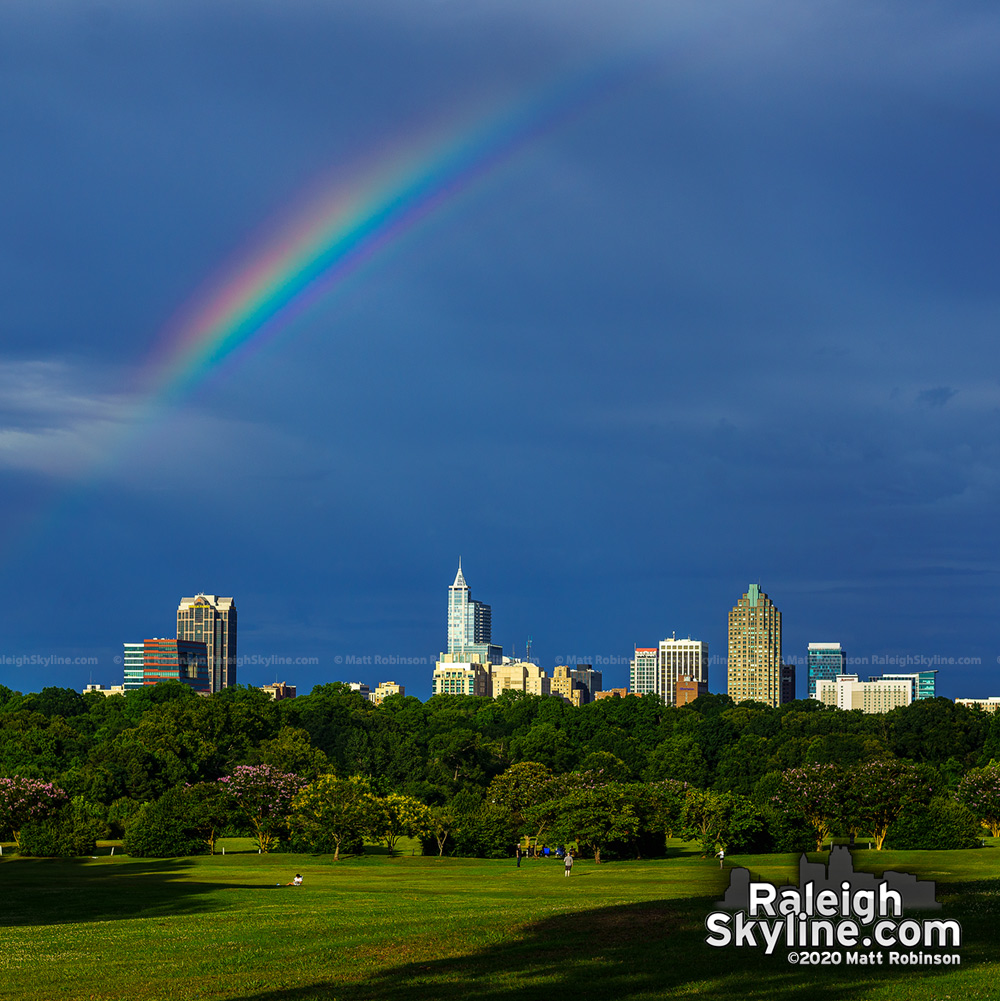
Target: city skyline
[627, 304]
[653, 670]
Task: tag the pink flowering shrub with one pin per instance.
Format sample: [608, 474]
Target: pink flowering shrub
[264, 793]
[23, 800]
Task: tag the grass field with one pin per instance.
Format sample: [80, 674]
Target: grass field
[374, 927]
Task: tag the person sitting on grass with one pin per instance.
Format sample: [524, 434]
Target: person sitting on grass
[295, 882]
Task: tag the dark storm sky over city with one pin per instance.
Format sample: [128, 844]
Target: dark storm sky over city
[729, 317]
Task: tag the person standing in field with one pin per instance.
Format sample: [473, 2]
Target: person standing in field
[568, 863]
[517, 855]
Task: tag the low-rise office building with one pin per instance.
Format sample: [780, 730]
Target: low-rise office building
[185, 661]
[458, 678]
[520, 676]
[990, 704]
[279, 690]
[611, 693]
[101, 690]
[688, 688]
[385, 689]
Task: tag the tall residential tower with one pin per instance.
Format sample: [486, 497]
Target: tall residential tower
[755, 668]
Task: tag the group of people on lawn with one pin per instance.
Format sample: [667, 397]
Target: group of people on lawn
[546, 852]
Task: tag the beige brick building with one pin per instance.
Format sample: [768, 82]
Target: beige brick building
[520, 676]
[564, 684]
[385, 689]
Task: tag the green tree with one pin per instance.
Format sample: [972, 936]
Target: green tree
[881, 791]
[741, 765]
[291, 751]
[979, 792]
[208, 810]
[595, 817]
[661, 805]
[334, 811]
[813, 792]
[940, 825]
[679, 758]
[705, 817]
[933, 730]
[396, 816]
[69, 832]
[520, 787]
[441, 824]
[164, 828]
[547, 744]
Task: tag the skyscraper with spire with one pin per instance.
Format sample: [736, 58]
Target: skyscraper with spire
[466, 669]
[470, 625]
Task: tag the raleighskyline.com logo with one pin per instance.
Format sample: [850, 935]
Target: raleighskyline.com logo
[836, 916]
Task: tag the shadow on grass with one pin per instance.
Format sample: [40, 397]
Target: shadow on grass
[674, 851]
[61, 891]
[637, 951]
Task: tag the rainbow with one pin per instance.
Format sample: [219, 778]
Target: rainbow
[330, 238]
[346, 227]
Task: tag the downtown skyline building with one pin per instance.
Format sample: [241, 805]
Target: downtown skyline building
[133, 660]
[642, 670]
[655, 670]
[755, 668]
[470, 626]
[210, 619]
[848, 691]
[185, 661]
[676, 658]
[466, 668]
[825, 661]
[923, 683]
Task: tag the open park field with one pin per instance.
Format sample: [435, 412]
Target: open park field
[408, 928]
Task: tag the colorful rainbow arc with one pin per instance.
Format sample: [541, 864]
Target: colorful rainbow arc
[345, 229]
[336, 234]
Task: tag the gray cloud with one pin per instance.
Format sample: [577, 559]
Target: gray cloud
[936, 397]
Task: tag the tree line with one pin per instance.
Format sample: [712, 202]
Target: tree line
[474, 776]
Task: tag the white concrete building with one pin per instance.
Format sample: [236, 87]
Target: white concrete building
[677, 658]
[642, 670]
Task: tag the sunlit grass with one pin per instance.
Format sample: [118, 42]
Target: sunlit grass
[405, 927]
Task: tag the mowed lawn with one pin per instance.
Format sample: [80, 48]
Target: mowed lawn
[374, 927]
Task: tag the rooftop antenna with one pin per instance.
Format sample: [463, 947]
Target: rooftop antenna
[527, 656]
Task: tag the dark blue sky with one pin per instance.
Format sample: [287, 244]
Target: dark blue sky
[736, 321]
